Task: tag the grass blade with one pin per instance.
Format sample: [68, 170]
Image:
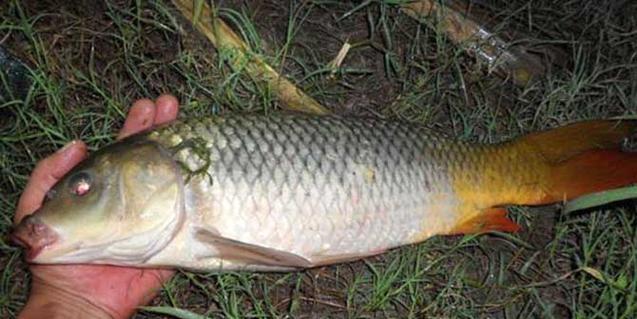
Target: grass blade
[601, 198]
[175, 312]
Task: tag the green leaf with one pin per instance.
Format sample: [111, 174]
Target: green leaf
[622, 281]
[601, 198]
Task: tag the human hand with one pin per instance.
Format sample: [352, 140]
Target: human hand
[90, 291]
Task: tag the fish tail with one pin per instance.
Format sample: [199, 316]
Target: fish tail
[585, 157]
[543, 168]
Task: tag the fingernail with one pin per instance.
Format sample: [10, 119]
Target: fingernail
[67, 146]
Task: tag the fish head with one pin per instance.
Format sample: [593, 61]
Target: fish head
[120, 206]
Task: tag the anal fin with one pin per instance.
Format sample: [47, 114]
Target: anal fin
[492, 219]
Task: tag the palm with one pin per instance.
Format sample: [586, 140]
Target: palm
[117, 290]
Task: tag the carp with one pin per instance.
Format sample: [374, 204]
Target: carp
[290, 191]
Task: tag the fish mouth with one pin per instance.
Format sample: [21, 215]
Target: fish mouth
[33, 235]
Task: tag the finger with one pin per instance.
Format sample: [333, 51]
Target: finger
[140, 117]
[46, 173]
[167, 109]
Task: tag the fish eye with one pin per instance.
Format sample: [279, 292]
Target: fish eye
[80, 183]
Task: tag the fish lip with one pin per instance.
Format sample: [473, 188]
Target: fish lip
[34, 236]
[31, 251]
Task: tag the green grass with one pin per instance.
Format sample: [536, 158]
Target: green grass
[91, 61]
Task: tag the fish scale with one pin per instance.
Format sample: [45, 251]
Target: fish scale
[318, 187]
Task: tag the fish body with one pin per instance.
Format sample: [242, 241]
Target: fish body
[288, 191]
[323, 188]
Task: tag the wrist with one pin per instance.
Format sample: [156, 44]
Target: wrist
[53, 303]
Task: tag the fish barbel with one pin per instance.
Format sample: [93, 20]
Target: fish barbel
[289, 191]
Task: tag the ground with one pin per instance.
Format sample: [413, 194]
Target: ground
[91, 59]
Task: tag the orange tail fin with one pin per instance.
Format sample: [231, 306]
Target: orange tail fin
[543, 168]
[584, 158]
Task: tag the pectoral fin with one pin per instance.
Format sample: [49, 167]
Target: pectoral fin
[249, 254]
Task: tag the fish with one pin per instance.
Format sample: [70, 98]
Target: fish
[288, 191]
